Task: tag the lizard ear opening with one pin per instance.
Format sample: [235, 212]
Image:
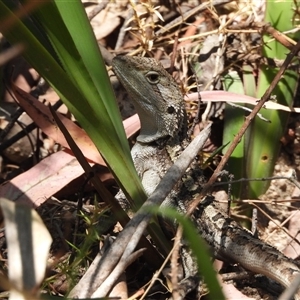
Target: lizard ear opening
[152, 77]
[170, 110]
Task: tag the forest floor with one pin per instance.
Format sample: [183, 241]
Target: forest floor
[197, 43]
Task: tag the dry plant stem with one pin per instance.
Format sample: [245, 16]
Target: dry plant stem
[200, 103]
[279, 36]
[130, 236]
[107, 197]
[253, 222]
[204, 34]
[224, 30]
[115, 260]
[280, 226]
[218, 68]
[101, 189]
[130, 259]
[136, 295]
[155, 276]
[174, 263]
[175, 45]
[95, 11]
[207, 187]
[120, 290]
[13, 119]
[290, 292]
[4, 144]
[107, 56]
[278, 202]
[241, 57]
[122, 32]
[234, 275]
[291, 178]
[188, 14]
[24, 10]
[12, 52]
[84, 284]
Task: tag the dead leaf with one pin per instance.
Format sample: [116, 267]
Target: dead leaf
[43, 180]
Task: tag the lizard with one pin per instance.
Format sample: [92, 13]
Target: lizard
[160, 105]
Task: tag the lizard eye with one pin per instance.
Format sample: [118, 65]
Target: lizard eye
[152, 77]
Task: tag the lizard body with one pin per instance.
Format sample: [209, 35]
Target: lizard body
[231, 243]
[160, 106]
[163, 132]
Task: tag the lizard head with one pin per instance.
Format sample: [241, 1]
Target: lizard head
[156, 96]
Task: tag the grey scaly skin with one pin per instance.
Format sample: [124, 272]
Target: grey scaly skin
[160, 106]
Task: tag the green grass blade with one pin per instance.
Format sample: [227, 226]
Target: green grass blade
[264, 142]
[72, 77]
[199, 249]
[262, 139]
[233, 120]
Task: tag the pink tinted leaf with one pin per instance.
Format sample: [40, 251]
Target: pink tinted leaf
[222, 96]
[36, 185]
[43, 118]
[132, 125]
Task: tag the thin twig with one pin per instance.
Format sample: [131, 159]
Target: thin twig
[174, 263]
[290, 292]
